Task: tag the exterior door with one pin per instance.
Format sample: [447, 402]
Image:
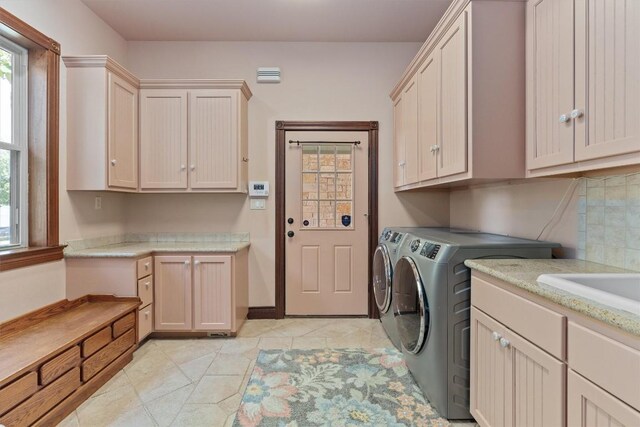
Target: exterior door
[550, 83]
[213, 139]
[327, 213]
[607, 78]
[163, 139]
[212, 292]
[123, 133]
[428, 112]
[452, 151]
[410, 127]
[172, 276]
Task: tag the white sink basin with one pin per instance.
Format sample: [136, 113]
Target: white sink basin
[621, 291]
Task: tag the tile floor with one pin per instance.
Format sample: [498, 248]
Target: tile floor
[199, 382]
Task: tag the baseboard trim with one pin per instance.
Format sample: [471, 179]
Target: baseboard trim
[261, 313]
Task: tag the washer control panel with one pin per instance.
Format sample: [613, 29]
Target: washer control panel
[387, 235]
[415, 244]
[430, 250]
[396, 237]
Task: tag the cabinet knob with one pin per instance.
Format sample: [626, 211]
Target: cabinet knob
[146, 265]
[187, 263]
[402, 163]
[576, 113]
[193, 167]
[245, 159]
[564, 118]
[504, 343]
[113, 162]
[496, 336]
[196, 262]
[182, 167]
[147, 285]
[146, 314]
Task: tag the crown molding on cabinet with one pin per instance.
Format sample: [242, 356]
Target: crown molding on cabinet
[93, 61]
[197, 84]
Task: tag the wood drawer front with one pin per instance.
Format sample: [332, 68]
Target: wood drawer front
[145, 290]
[54, 368]
[611, 365]
[145, 267]
[541, 326]
[123, 324]
[145, 322]
[96, 342]
[18, 391]
[104, 357]
[43, 401]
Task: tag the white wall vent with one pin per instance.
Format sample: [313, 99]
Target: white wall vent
[269, 75]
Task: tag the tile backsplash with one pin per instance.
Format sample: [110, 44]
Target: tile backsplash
[609, 220]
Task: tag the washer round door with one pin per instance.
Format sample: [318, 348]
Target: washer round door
[410, 305]
[382, 273]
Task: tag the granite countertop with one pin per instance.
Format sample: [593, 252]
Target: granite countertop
[523, 273]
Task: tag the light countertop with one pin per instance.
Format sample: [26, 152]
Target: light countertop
[523, 273]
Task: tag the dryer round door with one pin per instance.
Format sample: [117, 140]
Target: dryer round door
[382, 272]
[410, 305]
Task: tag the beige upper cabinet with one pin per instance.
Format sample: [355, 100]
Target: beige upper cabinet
[469, 78]
[102, 125]
[399, 153]
[583, 91]
[193, 136]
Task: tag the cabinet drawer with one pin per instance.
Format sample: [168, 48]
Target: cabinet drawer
[145, 322]
[541, 326]
[590, 351]
[145, 267]
[96, 341]
[123, 324]
[145, 290]
[54, 368]
[43, 401]
[104, 357]
[18, 391]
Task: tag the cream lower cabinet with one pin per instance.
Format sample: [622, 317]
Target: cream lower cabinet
[200, 292]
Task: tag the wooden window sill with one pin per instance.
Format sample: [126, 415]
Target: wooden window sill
[25, 257]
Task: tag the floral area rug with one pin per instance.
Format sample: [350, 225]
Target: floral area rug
[333, 388]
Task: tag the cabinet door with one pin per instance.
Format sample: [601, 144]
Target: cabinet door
[398, 143]
[550, 83]
[607, 78]
[590, 406]
[428, 112]
[122, 133]
[213, 139]
[410, 129]
[163, 139]
[452, 50]
[172, 293]
[212, 292]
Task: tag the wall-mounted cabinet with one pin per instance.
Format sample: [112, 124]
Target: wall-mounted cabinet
[459, 107]
[583, 95]
[132, 135]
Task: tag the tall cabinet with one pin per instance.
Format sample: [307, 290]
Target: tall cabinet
[459, 107]
[583, 91]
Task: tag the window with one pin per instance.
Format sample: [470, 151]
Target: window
[13, 145]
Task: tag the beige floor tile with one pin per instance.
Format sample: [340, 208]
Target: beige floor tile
[151, 387]
[215, 388]
[295, 329]
[166, 408]
[239, 345]
[228, 364]
[196, 415]
[70, 421]
[275, 343]
[334, 330]
[357, 339]
[231, 404]
[309, 343]
[230, 420]
[150, 364]
[118, 380]
[108, 408]
[254, 328]
[196, 368]
[378, 342]
[185, 350]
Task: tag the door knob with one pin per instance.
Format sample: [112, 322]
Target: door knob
[291, 234]
[290, 220]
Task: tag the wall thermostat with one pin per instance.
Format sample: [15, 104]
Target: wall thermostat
[258, 188]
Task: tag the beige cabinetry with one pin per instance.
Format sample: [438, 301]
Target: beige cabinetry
[462, 100]
[201, 292]
[102, 125]
[583, 94]
[194, 137]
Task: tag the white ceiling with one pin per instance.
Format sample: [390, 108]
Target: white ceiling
[272, 20]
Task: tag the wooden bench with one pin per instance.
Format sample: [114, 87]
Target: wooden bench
[53, 359]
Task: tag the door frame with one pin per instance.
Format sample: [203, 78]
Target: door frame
[282, 127]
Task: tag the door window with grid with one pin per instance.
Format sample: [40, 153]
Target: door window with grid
[13, 145]
[327, 186]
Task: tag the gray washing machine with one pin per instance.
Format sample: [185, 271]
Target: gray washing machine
[384, 261]
[431, 306]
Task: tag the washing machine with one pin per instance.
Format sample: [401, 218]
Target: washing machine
[384, 261]
[432, 302]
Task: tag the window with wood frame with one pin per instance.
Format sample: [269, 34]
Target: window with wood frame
[29, 102]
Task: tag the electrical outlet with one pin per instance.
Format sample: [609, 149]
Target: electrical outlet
[98, 203]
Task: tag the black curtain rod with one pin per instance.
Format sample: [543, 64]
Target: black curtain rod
[324, 142]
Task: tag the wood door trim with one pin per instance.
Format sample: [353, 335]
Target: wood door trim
[336, 126]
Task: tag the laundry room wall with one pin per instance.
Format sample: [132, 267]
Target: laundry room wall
[320, 81]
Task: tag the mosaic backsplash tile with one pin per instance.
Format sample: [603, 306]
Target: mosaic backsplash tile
[609, 220]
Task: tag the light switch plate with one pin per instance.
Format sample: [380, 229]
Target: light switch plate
[258, 204]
